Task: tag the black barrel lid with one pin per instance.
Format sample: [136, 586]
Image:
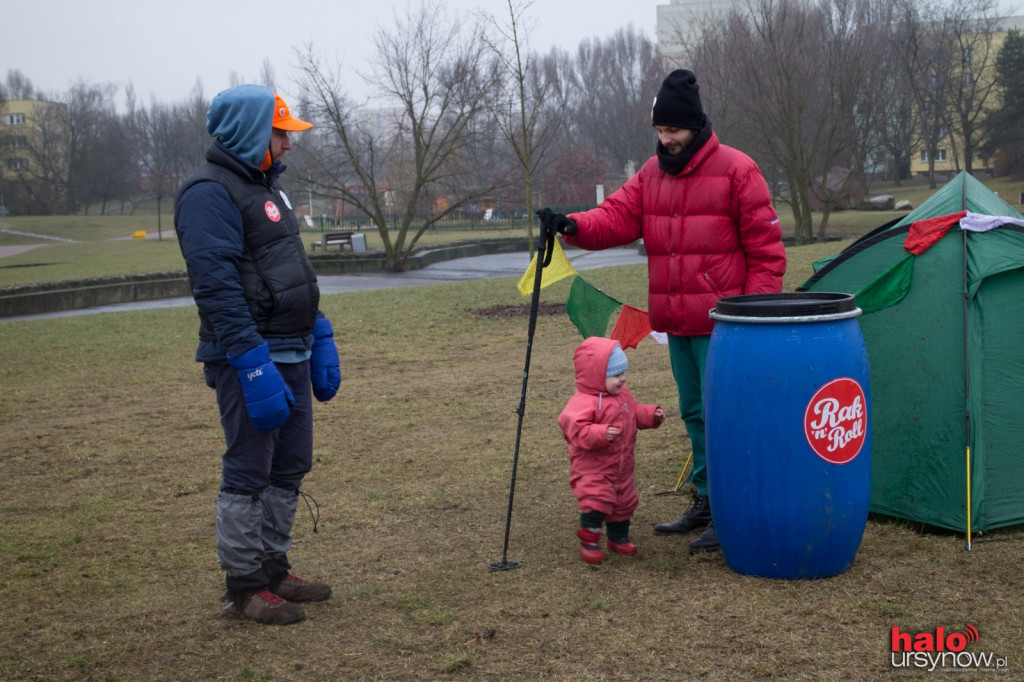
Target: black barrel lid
[800, 304]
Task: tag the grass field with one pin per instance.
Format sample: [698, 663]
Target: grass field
[110, 472]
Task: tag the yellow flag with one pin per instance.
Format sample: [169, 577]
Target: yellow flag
[559, 268]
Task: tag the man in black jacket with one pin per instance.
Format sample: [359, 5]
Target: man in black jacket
[264, 343]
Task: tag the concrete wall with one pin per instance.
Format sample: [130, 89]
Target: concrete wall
[56, 296]
[48, 298]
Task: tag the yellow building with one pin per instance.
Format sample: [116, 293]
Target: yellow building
[948, 153]
[32, 152]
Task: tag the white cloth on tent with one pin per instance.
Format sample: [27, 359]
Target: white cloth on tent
[976, 222]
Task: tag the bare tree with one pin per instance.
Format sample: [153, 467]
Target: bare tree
[707, 53]
[856, 33]
[195, 139]
[88, 106]
[171, 140]
[161, 162]
[900, 117]
[560, 96]
[795, 73]
[112, 172]
[519, 109]
[267, 76]
[409, 166]
[973, 84]
[925, 54]
[616, 80]
[18, 86]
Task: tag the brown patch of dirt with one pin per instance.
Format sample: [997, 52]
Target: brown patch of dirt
[520, 310]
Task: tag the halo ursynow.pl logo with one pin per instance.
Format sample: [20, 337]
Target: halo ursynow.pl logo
[942, 650]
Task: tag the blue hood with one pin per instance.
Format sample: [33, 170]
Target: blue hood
[241, 118]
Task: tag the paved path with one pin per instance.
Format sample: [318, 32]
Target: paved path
[15, 250]
[11, 250]
[457, 270]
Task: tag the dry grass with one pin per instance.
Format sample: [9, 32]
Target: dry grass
[111, 466]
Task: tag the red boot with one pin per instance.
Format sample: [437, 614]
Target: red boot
[590, 551]
[621, 546]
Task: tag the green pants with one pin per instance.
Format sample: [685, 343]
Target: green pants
[689, 356]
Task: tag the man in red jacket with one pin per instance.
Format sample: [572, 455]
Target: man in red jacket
[709, 228]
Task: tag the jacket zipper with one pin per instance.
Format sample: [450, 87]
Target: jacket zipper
[712, 284]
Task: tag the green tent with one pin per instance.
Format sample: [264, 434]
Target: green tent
[943, 324]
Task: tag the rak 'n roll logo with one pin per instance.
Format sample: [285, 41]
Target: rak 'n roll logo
[836, 421]
[273, 212]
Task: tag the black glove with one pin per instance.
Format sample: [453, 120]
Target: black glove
[551, 222]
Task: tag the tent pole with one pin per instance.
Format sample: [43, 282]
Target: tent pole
[968, 496]
[967, 376]
[682, 473]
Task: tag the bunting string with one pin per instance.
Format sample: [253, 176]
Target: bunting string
[589, 308]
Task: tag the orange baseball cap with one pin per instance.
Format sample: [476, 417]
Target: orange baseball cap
[283, 119]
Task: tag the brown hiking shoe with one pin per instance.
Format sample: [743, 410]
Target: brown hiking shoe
[294, 588]
[266, 607]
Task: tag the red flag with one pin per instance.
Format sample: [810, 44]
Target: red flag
[924, 233]
[632, 327]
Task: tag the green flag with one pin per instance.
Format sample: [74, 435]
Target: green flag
[589, 308]
[887, 289]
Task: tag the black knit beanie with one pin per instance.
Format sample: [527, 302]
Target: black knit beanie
[678, 102]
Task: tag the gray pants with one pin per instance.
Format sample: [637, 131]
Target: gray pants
[254, 534]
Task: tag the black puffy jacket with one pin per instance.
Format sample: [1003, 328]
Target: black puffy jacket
[246, 262]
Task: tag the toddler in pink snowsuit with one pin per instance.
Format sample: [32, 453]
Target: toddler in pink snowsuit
[599, 423]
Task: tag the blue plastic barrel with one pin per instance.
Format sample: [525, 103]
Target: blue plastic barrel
[787, 404]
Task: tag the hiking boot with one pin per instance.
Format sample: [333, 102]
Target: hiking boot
[294, 588]
[706, 541]
[590, 551]
[621, 546]
[697, 516]
[265, 607]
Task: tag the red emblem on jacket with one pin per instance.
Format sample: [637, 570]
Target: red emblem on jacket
[273, 212]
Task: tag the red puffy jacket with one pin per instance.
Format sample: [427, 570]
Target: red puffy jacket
[601, 473]
[709, 232]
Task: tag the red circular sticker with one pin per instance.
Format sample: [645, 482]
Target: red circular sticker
[273, 212]
[836, 421]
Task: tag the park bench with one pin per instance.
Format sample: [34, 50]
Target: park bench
[339, 239]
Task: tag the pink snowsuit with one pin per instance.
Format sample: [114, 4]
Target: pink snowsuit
[601, 473]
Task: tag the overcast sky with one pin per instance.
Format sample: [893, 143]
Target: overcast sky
[163, 48]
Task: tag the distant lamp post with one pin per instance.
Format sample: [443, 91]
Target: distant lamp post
[310, 186]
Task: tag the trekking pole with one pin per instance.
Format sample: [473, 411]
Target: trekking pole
[544, 251]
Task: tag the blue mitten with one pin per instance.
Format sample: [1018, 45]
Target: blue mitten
[267, 397]
[324, 366]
